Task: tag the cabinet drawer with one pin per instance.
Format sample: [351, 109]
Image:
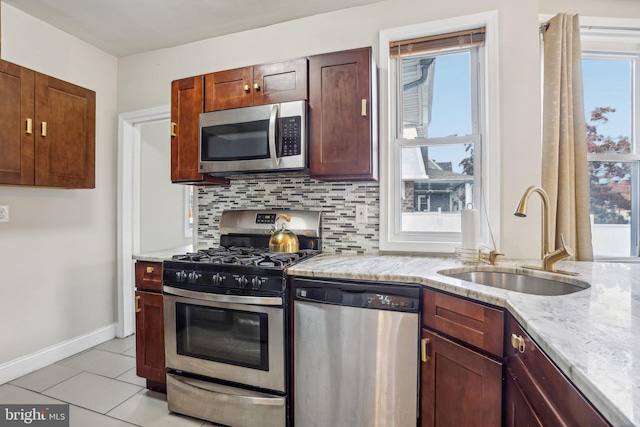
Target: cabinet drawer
[550, 394]
[473, 323]
[149, 276]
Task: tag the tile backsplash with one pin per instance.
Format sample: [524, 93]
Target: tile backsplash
[338, 202]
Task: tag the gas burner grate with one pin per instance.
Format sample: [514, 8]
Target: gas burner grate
[245, 255]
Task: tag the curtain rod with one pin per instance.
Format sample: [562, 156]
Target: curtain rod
[545, 26]
[596, 27]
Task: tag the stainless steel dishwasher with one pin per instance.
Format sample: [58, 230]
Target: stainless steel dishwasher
[355, 354]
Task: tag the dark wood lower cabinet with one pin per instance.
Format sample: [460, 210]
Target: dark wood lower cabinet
[518, 411]
[150, 361]
[537, 392]
[459, 386]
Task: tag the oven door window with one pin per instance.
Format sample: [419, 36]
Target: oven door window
[226, 336]
[238, 141]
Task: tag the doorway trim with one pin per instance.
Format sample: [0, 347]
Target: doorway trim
[128, 210]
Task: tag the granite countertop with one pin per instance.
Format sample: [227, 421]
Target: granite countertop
[162, 255]
[592, 335]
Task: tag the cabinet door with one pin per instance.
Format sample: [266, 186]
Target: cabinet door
[343, 140]
[517, 412]
[150, 363]
[459, 387]
[186, 106]
[64, 134]
[16, 124]
[280, 82]
[228, 89]
[552, 397]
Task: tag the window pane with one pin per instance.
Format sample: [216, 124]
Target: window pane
[437, 182]
[608, 104]
[436, 95]
[611, 207]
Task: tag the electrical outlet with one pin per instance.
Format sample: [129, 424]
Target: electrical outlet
[361, 214]
[4, 213]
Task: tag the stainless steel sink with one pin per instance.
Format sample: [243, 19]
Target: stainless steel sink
[518, 282]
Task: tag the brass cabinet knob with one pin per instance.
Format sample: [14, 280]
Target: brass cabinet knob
[517, 342]
[29, 129]
[173, 129]
[424, 350]
[246, 88]
[137, 304]
[256, 86]
[149, 270]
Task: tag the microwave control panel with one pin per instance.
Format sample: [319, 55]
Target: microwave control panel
[290, 135]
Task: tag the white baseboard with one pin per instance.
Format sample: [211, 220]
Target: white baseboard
[24, 365]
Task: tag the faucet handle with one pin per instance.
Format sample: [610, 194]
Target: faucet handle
[566, 248]
[492, 257]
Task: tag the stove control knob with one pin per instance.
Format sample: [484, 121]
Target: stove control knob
[181, 276]
[193, 277]
[216, 279]
[242, 281]
[256, 282]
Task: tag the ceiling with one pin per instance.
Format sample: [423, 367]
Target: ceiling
[126, 27]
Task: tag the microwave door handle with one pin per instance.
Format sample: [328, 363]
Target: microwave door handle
[272, 135]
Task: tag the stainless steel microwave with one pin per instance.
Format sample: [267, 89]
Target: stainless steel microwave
[264, 138]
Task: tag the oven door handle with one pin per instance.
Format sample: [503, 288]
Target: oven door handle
[255, 399]
[233, 299]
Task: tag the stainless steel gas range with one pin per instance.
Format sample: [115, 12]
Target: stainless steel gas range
[227, 322]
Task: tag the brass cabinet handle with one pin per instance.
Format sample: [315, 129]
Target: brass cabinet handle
[246, 88]
[364, 108]
[173, 128]
[517, 342]
[149, 270]
[423, 353]
[44, 129]
[256, 86]
[137, 304]
[29, 129]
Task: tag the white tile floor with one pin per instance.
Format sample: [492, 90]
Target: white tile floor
[102, 389]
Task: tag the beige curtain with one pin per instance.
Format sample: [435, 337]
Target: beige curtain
[565, 175]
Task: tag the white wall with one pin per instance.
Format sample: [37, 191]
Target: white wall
[144, 80]
[162, 213]
[57, 254]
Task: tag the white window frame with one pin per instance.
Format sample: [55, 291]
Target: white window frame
[392, 239]
[615, 38]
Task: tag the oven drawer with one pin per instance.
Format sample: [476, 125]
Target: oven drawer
[224, 404]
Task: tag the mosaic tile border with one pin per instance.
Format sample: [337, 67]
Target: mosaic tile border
[337, 201]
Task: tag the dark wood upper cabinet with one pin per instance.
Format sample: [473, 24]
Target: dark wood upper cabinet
[186, 106]
[65, 134]
[47, 130]
[343, 119]
[257, 85]
[280, 82]
[17, 116]
[228, 89]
